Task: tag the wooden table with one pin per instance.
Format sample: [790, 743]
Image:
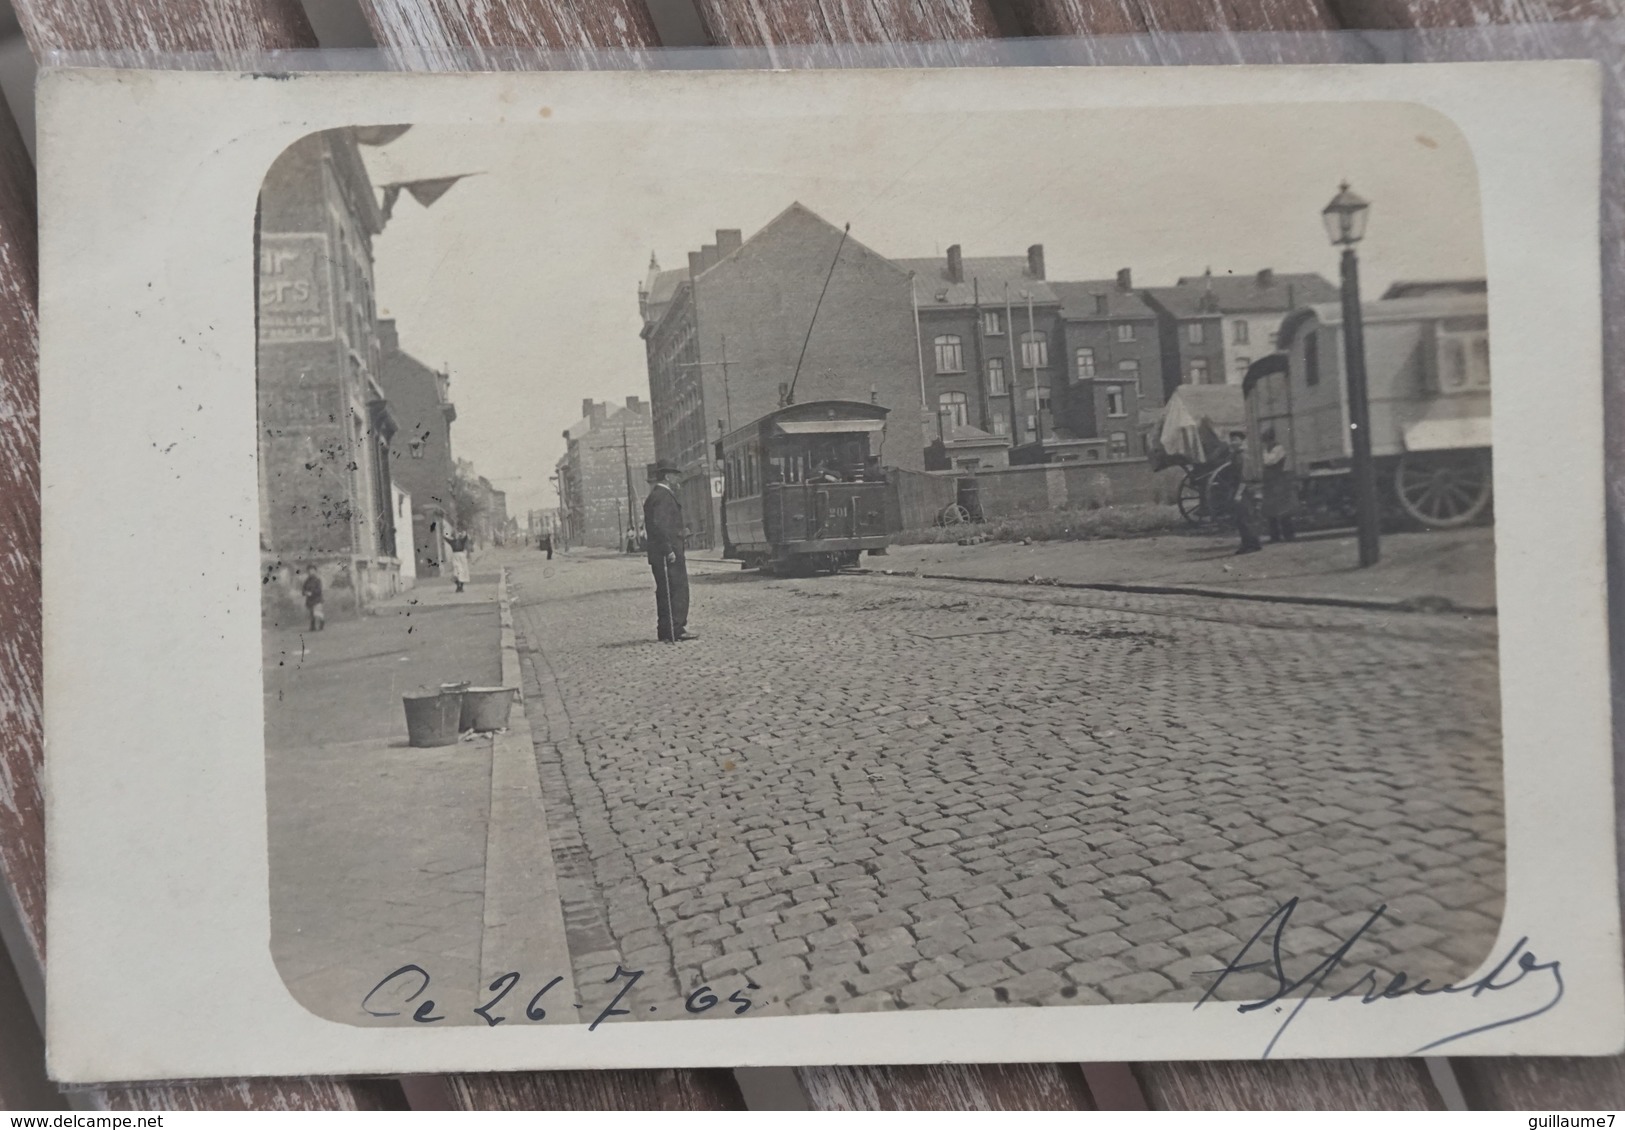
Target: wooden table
[494, 25]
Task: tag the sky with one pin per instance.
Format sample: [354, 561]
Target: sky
[522, 280]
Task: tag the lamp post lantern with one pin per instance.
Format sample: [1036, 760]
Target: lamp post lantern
[1345, 218]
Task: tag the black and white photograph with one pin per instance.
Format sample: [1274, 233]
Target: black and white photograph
[1043, 630]
[786, 567]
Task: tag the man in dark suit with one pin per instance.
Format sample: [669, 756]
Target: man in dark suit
[663, 533]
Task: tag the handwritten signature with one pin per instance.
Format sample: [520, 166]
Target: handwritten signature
[1518, 963]
[400, 988]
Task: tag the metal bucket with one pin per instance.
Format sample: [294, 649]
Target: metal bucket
[432, 717]
[486, 708]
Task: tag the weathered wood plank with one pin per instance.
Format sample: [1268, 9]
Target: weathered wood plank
[1305, 1084]
[254, 1094]
[1013, 1086]
[227, 26]
[486, 34]
[22, 809]
[712, 1089]
[1123, 17]
[771, 23]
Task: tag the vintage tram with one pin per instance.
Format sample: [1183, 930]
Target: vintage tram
[803, 488]
[1428, 376]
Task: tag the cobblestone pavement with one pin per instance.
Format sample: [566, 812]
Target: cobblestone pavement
[863, 792]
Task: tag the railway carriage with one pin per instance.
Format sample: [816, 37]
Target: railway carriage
[1428, 376]
[779, 514]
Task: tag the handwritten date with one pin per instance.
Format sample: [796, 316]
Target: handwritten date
[406, 985]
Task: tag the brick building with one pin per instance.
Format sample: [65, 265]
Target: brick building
[983, 366]
[602, 480]
[326, 499]
[1111, 365]
[1213, 327]
[723, 337]
[420, 451]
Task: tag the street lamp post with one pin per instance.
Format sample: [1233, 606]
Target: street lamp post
[1345, 218]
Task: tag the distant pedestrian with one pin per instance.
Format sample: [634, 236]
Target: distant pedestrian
[663, 540]
[1280, 493]
[1243, 484]
[547, 544]
[313, 600]
[458, 542]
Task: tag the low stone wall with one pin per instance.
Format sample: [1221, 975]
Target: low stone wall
[1021, 490]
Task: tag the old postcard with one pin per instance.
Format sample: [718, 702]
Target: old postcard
[722, 568]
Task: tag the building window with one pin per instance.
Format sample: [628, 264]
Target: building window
[1116, 405]
[1001, 424]
[1130, 372]
[1194, 333]
[1125, 331]
[1042, 394]
[1198, 371]
[1035, 350]
[1242, 365]
[1119, 444]
[993, 323]
[1311, 359]
[995, 376]
[969, 464]
[950, 358]
[954, 407]
[1241, 332]
[1086, 363]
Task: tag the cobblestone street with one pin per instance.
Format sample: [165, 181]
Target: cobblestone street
[867, 792]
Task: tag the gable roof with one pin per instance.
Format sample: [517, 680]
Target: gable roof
[1078, 300]
[985, 276]
[1242, 294]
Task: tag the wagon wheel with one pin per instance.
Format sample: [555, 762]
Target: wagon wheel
[954, 515]
[1443, 489]
[1192, 499]
[1218, 489]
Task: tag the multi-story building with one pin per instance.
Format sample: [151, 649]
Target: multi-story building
[326, 500]
[1111, 365]
[420, 451]
[1213, 327]
[733, 335]
[602, 479]
[988, 347]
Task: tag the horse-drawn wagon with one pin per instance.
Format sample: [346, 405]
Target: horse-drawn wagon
[1191, 432]
[1428, 375]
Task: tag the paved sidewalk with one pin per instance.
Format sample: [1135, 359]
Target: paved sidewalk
[384, 855]
[1429, 571]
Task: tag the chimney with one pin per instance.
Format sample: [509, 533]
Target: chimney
[956, 264]
[388, 340]
[708, 256]
[694, 266]
[586, 408]
[728, 241]
[632, 403]
[1266, 277]
[1035, 260]
[1102, 305]
[1125, 279]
